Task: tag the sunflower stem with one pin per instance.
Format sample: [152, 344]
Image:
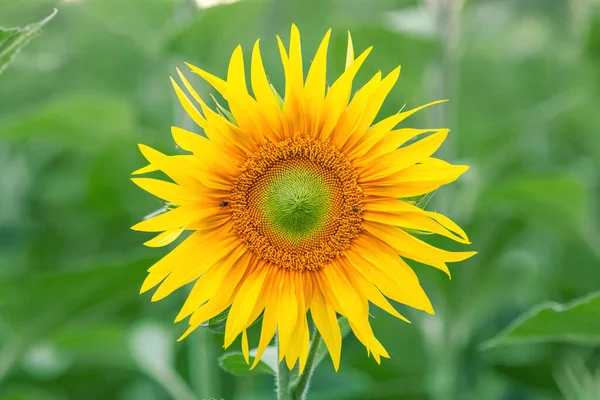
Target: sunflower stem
[283, 377]
[302, 384]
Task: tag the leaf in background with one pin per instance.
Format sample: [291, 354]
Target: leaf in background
[577, 321]
[217, 323]
[77, 120]
[235, 364]
[13, 39]
[561, 200]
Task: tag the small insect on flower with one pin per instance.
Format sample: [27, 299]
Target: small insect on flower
[310, 218]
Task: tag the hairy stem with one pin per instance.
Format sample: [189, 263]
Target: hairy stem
[302, 384]
[282, 380]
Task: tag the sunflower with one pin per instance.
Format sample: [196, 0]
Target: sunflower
[295, 205]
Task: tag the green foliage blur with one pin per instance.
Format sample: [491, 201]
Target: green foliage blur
[524, 83]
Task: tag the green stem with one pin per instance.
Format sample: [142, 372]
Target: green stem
[282, 378]
[204, 372]
[301, 386]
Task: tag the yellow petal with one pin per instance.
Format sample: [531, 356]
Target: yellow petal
[269, 321]
[399, 213]
[366, 288]
[349, 52]
[402, 158]
[161, 269]
[172, 219]
[338, 95]
[408, 246]
[346, 128]
[168, 191]
[178, 169]
[188, 106]
[243, 304]
[353, 306]
[245, 346]
[315, 86]
[391, 142]
[165, 238]
[385, 277]
[264, 95]
[326, 322]
[219, 84]
[216, 285]
[145, 170]
[210, 251]
[378, 131]
[287, 313]
[376, 100]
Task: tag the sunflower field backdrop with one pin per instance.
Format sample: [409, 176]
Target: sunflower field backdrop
[520, 321]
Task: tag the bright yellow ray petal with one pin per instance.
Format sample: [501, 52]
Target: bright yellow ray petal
[216, 286]
[287, 313]
[368, 290]
[346, 128]
[216, 247]
[349, 52]
[389, 267]
[242, 105]
[304, 345]
[391, 142]
[376, 101]
[263, 93]
[219, 84]
[296, 76]
[188, 141]
[378, 131]
[269, 321]
[145, 170]
[165, 238]
[244, 303]
[178, 169]
[402, 158]
[296, 348]
[188, 106]
[338, 95]
[408, 292]
[412, 181]
[326, 322]
[161, 269]
[399, 213]
[353, 307]
[216, 127]
[172, 219]
[245, 346]
[168, 191]
[315, 86]
[415, 249]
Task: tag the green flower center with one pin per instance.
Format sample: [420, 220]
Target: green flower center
[296, 203]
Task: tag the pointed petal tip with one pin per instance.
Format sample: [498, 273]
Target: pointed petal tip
[180, 317]
[186, 334]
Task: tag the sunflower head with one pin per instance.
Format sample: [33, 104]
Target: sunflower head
[297, 208]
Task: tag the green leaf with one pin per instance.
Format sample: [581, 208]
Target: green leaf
[66, 120]
[277, 96]
[14, 39]
[577, 321]
[322, 351]
[235, 364]
[217, 323]
[223, 112]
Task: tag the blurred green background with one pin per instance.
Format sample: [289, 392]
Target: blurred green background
[524, 82]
